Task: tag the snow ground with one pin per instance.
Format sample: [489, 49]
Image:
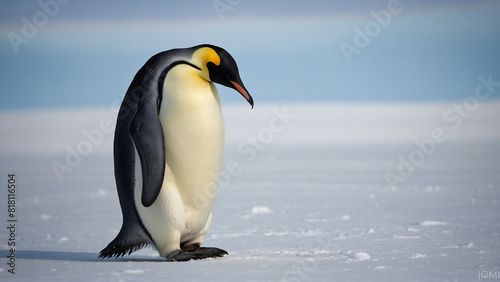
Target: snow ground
[308, 201]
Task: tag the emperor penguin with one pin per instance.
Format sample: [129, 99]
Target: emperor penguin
[168, 150]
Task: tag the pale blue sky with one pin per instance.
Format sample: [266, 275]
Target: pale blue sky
[84, 54]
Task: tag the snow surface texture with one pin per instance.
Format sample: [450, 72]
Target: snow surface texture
[304, 196]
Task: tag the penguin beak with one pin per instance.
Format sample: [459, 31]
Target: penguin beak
[241, 89]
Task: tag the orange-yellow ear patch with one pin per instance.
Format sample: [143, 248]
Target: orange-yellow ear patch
[206, 55]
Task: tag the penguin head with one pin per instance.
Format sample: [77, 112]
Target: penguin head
[218, 66]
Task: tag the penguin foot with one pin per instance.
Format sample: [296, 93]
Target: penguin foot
[199, 253]
[190, 248]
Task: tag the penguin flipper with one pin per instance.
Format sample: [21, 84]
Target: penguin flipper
[147, 133]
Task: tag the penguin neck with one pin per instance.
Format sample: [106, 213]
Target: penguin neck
[183, 86]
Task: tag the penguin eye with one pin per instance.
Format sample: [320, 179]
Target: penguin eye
[211, 66]
[213, 71]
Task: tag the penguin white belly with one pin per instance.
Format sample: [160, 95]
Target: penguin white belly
[193, 130]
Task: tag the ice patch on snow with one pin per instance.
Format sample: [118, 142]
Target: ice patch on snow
[276, 233]
[322, 252]
[360, 256]
[345, 217]
[261, 210]
[470, 245]
[63, 239]
[432, 223]
[357, 256]
[418, 256]
[406, 237]
[256, 210]
[433, 189]
[99, 193]
[133, 271]
[312, 220]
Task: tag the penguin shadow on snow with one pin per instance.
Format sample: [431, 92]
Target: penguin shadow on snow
[74, 256]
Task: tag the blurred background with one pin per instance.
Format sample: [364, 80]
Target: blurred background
[60, 53]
